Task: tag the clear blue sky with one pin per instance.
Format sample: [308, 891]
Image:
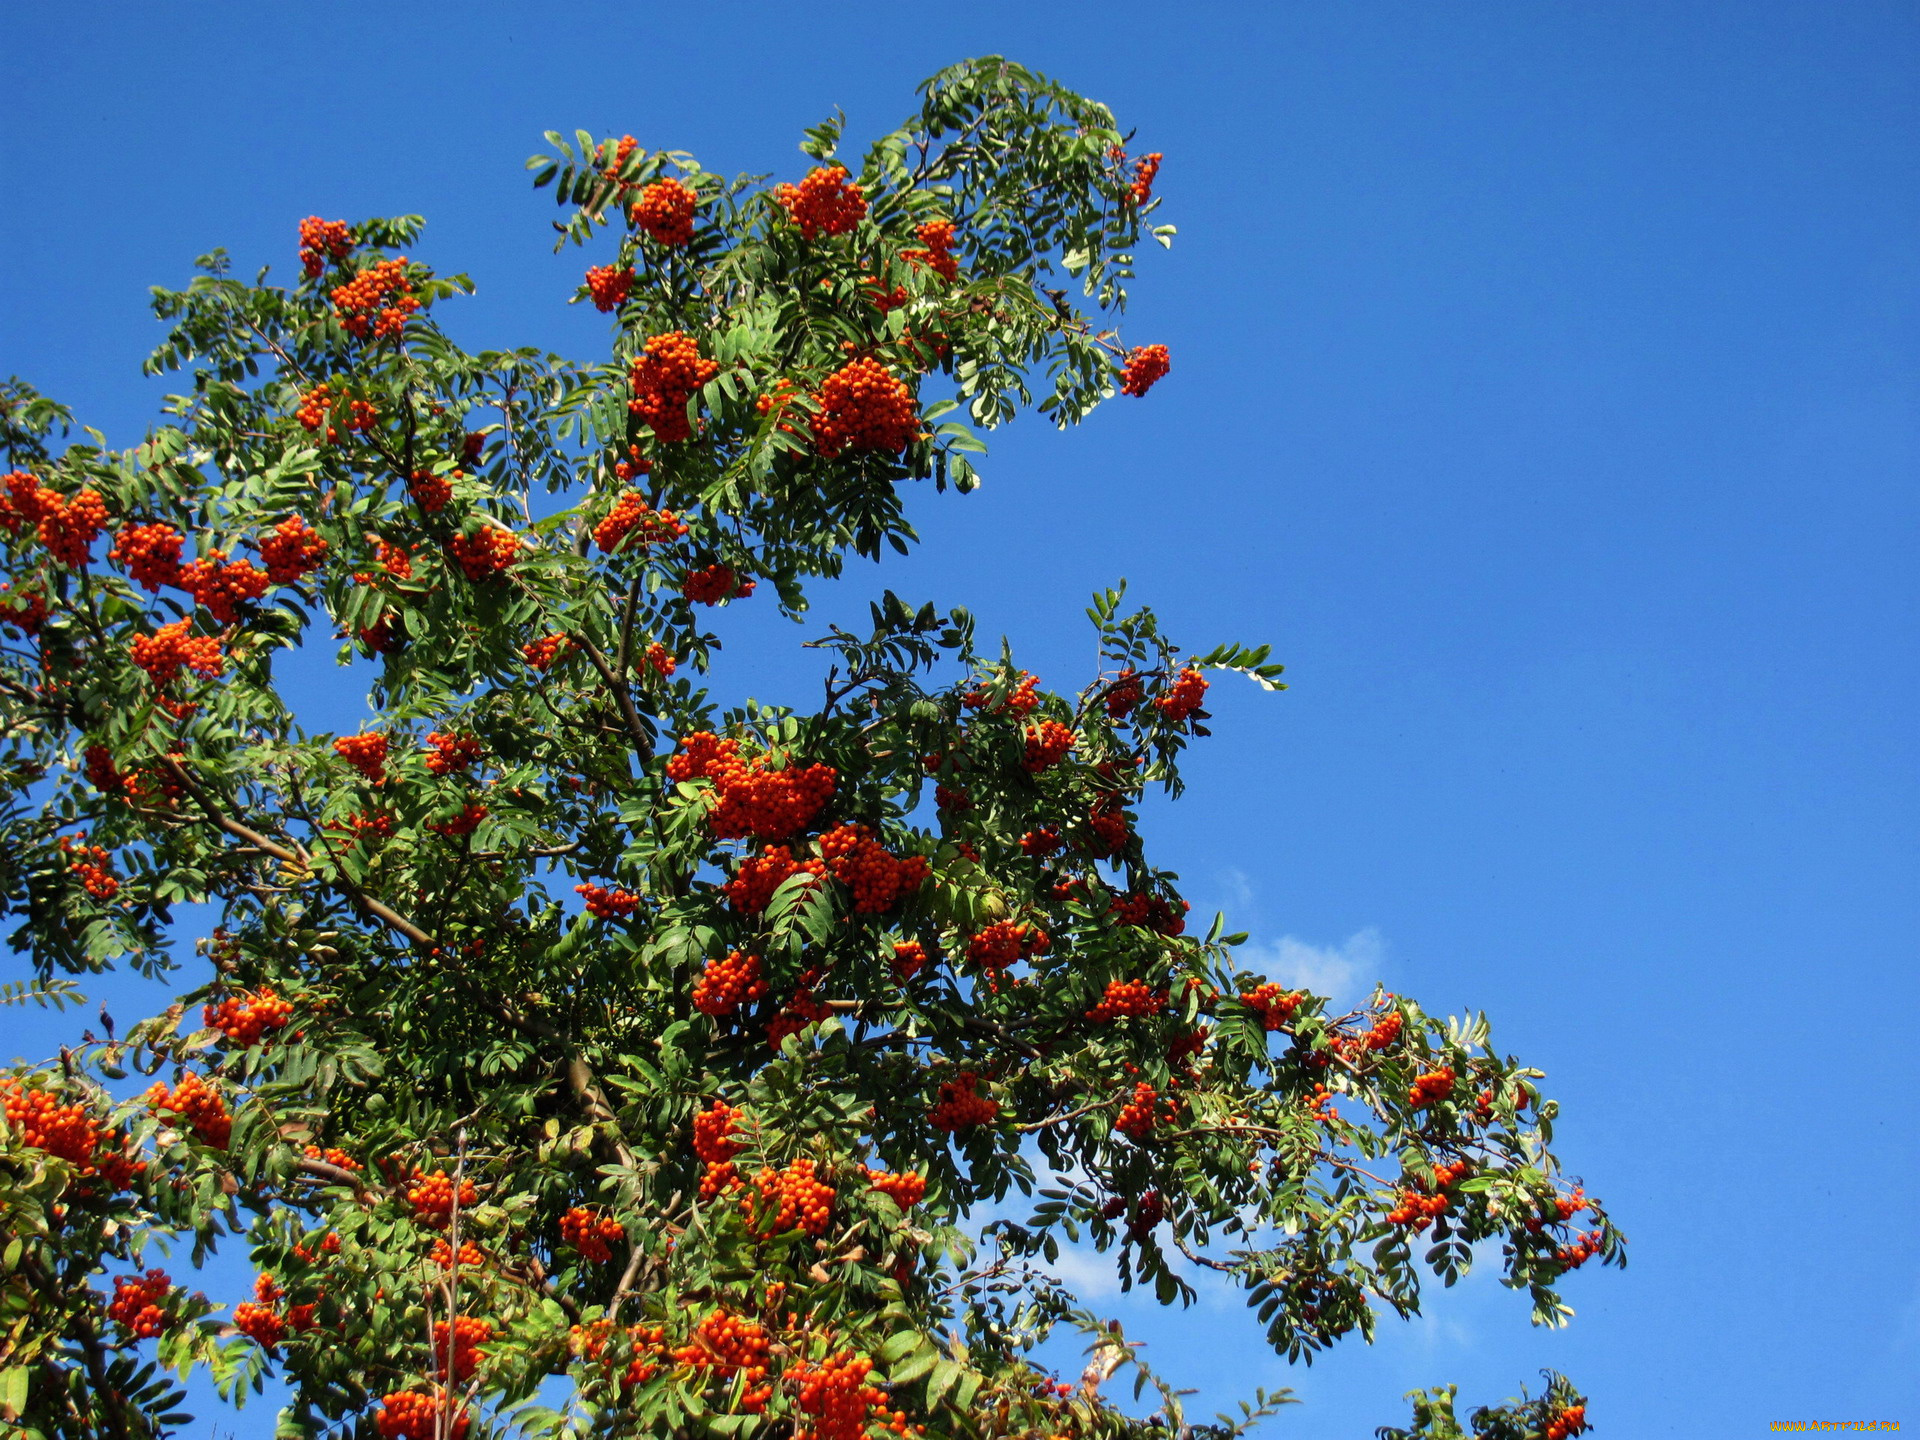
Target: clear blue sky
[1544, 388]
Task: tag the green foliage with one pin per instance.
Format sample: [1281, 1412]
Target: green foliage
[907, 942]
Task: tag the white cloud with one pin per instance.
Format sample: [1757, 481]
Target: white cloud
[1343, 973]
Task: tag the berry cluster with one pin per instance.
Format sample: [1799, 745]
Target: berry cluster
[907, 1188]
[464, 821]
[443, 1257]
[450, 751]
[1145, 169]
[937, 237]
[1570, 1421]
[1152, 911]
[430, 491]
[664, 378]
[244, 1019]
[1140, 1114]
[456, 1347]
[68, 527]
[758, 876]
[710, 584]
[824, 203]
[1042, 842]
[837, 1401]
[730, 1345]
[1417, 1210]
[961, 1106]
[660, 660]
[542, 653]
[726, 985]
[795, 1198]
[149, 553]
[749, 799]
[379, 299]
[222, 586]
[1431, 1086]
[909, 959]
[138, 1300]
[92, 865]
[37, 1116]
[412, 1415]
[1572, 1256]
[609, 285]
[257, 1318]
[876, 878]
[488, 551]
[614, 904]
[665, 211]
[1046, 746]
[365, 753]
[321, 241]
[1127, 998]
[172, 647]
[1382, 1033]
[1183, 701]
[318, 402]
[1148, 1211]
[198, 1104]
[714, 1140]
[1273, 1005]
[340, 1160]
[802, 1010]
[293, 550]
[26, 612]
[1123, 696]
[631, 515]
[1004, 942]
[863, 407]
[433, 1196]
[1145, 366]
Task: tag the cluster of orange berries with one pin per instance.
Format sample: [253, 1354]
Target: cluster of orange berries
[244, 1019]
[1042, 842]
[710, 584]
[37, 1116]
[138, 1302]
[340, 1160]
[222, 586]
[149, 553]
[365, 753]
[1046, 746]
[732, 1345]
[862, 406]
[1567, 1422]
[67, 527]
[413, 1415]
[795, 1198]
[1127, 997]
[1184, 699]
[92, 865]
[631, 514]
[1382, 1033]
[24, 612]
[434, 1194]
[907, 1188]
[825, 203]
[609, 285]
[715, 1145]
[1573, 1256]
[321, 241]
[1145, 170]
[293, 550]
[1273, 1005]
[1021, 700]
[1151, 911]
[1430, 1086]
[198, 1104]
[750, 799]
[451, 751]
[1141, 1113]
[1417, 1210]
[664, 378]
[961, 1106]
[726, 985]
[456, 1347]
[665, 211]
[379, 299]
[802, 1010]
[614, 904]
[909, 959]
[540, 654]
[259, 1320]
[591, 1233]
[1145, 366]
[1561, 1208]
[937, 237]
[443, 1257]
[488, 551]
[838, 1402]
[1123, 696]
[318, 402]
[1004, 942]
[758, 876]
[430, 491]
[876, 878]
[464, 821]
[660, 660]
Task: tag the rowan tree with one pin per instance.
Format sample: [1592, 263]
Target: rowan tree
[564, 1023]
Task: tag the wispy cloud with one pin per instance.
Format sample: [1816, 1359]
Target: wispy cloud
[1344, 973]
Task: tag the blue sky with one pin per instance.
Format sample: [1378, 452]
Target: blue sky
[1543, 389]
